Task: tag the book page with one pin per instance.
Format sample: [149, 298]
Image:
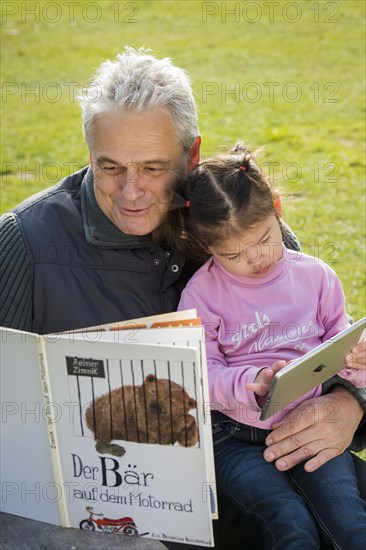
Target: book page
[173, 318]
[131, 435]
[182, 336]
[28, 486]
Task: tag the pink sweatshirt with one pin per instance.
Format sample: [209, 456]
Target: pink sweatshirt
[251, 323]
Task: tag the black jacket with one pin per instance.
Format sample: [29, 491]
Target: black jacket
[83, 270]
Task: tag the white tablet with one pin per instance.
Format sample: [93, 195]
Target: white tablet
[312, 369]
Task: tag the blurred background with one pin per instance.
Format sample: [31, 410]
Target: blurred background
[287, 75]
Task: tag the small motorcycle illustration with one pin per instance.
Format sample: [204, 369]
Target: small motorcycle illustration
[125, 525]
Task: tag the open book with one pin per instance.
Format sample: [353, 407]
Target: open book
[108, 429]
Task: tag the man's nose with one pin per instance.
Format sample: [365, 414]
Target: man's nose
[131, 186]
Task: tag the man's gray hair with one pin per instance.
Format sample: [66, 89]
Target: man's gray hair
[137, 81]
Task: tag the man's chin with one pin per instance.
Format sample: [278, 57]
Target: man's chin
[134, 228]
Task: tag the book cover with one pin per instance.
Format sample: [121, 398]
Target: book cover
[109, 431]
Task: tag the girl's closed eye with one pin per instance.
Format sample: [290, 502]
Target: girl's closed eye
[233, 258]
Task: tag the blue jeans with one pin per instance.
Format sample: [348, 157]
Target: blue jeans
[288, 505]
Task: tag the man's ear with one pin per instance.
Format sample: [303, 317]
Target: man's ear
[194, 154]
[277, 203]
[90, 158]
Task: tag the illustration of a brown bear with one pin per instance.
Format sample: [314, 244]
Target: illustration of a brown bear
[154, 412]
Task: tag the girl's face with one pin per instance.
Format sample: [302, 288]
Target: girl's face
[251, 253]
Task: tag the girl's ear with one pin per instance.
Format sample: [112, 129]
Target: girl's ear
[277, 203]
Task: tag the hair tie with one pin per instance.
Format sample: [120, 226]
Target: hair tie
[242, 168]
[188, 204]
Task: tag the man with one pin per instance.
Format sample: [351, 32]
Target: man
[91, 250]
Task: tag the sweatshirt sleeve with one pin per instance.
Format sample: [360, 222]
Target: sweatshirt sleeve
[226, 383]
[334, 318]
[332, 307]
[355, 376]
[15, 277]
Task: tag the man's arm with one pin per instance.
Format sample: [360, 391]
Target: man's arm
[320, 428]
[15, 277]
[359, 439]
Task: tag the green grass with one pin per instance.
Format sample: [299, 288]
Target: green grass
[317, 141]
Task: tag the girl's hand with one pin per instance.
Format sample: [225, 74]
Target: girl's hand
[357, 358]
[263, 380]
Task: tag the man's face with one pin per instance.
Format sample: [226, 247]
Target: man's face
[136, 159]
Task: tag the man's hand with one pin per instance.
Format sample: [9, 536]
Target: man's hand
[316, 431]
[264, 378]
[357, 358]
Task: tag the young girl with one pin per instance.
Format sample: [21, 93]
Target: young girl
[262, 306]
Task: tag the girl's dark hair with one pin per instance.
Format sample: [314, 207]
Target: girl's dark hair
[227, 194]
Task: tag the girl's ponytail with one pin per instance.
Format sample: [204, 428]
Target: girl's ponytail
[178, 226]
